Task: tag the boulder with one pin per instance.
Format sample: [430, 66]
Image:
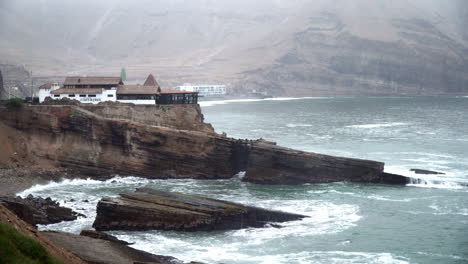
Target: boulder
[37, 210]
[103, 236]
[426, 172]
[148, 209]
[93, 250]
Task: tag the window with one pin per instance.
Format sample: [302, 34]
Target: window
[71, 95]
[110, 95]
[91, 95]
[56, 95]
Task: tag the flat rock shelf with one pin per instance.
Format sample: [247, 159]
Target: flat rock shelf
[148, 209]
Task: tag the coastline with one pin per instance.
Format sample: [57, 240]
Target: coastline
[13, 181]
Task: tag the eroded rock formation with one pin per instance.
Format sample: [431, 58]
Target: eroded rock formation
[148, 209]
[37, 210]
[82, 141]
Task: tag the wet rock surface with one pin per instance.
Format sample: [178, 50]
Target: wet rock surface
[270, 164]
[93, 250]
[426, 172]
[103, 236]
[148, 209]
[37, 210]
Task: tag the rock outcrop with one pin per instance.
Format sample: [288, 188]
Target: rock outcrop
[270, 164]
[103, 236]
[181, 117]
[37, 210]
[426, 172]
[148, 209]
[93, 250]
[84, 142]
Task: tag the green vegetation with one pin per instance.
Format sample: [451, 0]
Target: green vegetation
[14, 103]
[16, 248]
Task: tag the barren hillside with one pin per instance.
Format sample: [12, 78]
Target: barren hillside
[299, 47]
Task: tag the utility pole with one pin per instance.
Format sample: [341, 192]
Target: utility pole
[32, 87]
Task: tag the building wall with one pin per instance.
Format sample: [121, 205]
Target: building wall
[105, 96]
[138, 102]
[204, 90]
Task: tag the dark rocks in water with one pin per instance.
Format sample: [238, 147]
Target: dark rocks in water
[103, 236]
[269, 164]
[148, 209]
[37, 210]
[426, 172]
[93, 250]
[389, 178]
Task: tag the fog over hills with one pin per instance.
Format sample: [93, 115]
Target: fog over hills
[287, 47]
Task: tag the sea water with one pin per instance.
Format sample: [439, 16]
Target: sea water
[349, 223]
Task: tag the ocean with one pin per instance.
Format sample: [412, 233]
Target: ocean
[348, 223]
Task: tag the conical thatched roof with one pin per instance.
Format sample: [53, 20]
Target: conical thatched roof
[151, 81]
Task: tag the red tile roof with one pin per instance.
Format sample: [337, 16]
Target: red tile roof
[46, 86]
[77, 91]
[151, 81]
[137, 89]
[79, 80]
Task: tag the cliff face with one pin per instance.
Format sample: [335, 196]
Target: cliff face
[14, 76]
[182, 117]
[2, 91]
[75, 138]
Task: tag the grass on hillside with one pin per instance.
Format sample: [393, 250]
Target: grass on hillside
[16, 248]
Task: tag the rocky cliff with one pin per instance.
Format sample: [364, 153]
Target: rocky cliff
[2, 91]
[14, 76]
[84, 142]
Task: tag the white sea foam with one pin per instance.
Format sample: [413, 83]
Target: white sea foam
[219, 102]
[362, 196]
[237, 246]
[298, 125]
[381, 125]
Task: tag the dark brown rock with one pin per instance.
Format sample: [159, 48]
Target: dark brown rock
[269, 164]
[426, 172]
[103, 236]
[100, 251]
[37, 210]
[148, 209]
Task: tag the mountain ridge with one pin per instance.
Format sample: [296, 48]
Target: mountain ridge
[299, 47]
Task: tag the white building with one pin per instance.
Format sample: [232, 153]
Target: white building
[205, 90]
[45, 89]
[111, 89]
[85, 95]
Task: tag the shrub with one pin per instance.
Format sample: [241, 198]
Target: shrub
[14, 103]
[16, 248]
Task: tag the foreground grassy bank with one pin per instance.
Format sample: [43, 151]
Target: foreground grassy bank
[16, 248]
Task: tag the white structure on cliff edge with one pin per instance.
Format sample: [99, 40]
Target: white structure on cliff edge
[112, 89]
[205, 90]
